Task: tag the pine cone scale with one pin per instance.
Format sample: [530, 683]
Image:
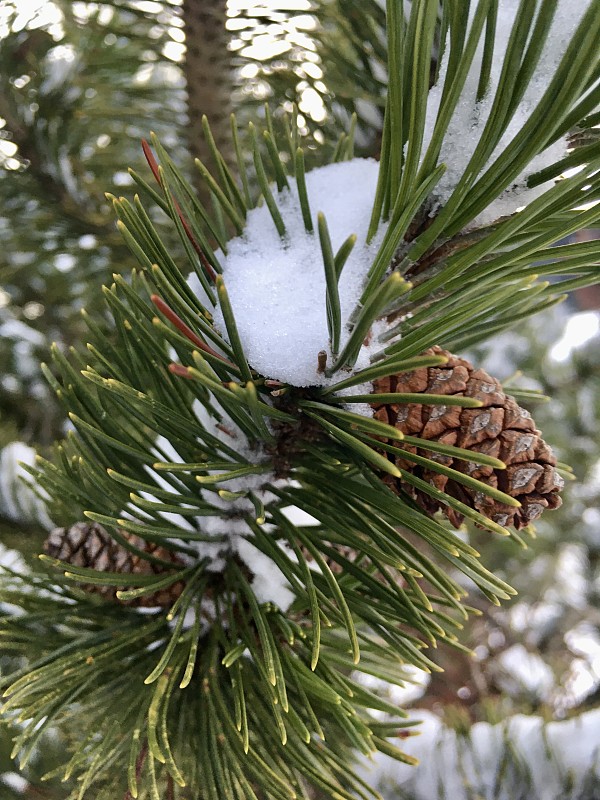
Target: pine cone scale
[88, 544]
[499, 428]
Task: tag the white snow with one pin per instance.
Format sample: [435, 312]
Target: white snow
[454, 767]
[64, 262]
[18, 501]
[227, 528]
[579, 681]
[583, 675]
[579, 329]
[14, 781]
[60, 64]
[412, 689]
[277, 285]
[470, 117]
[522, 672]
[267, 582]
[535, 621]
[297, 516]
[13, 560]
[20, 331]
[570, 583]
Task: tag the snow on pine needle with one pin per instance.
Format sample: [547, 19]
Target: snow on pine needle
[277, 284]
[472, 113]
[19, 502]
[226, 529]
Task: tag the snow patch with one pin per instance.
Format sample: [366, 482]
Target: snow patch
[12, 560]
[15, 782]
[546, 760]
[18, 500]
[522, 672]
[579, 329]
[276, 284]
[267, 582]
[470, 116]
[228, 504]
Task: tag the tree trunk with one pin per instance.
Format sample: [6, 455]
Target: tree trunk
[208, 70]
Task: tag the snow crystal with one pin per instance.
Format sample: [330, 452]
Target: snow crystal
[470, 116]
[549, 758]
[277, 285]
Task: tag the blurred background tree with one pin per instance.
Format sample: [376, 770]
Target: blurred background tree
[80, 84]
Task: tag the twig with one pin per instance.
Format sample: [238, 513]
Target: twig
[138, 768]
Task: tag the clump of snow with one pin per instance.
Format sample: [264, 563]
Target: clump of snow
[14, 781]
[20, 331]
[519, 757]
[523, 673]
[26, 339]
[277, 285]
[579, 329]
[18, 500]
[60, 64]
[12, 560]
[570, 584]
[536, 621]
[267, 578]
[224, 520]
[297, 516]
[470, 116]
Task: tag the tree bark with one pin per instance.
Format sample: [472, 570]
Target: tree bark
[208, 71]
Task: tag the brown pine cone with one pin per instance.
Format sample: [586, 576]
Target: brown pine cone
[500, 428]
[88, 544]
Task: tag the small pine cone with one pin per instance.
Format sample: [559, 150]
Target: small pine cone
[500, 428]
[87, 544]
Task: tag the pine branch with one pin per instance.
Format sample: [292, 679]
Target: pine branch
[84, 219]
[189, 441]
